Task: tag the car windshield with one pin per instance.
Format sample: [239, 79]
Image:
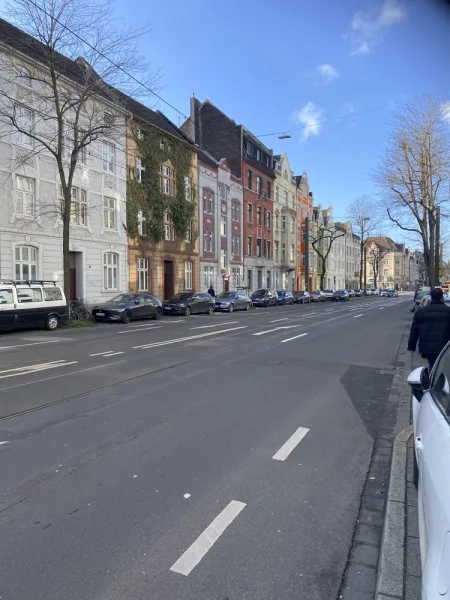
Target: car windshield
[227, 295]
[180, 297]
[122, 299]
[328, 291]
[299, 293]
[280, 292]
[340, 292]
[259, 293]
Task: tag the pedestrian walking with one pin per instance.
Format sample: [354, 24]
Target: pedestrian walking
[415, 299]
[211, 291]
[431, 328]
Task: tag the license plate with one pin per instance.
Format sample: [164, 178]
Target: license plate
[167, 308]
[100, 314]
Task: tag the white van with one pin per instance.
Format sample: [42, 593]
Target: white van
[26, 304]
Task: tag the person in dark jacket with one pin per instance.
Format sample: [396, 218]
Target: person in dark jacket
[431, 327]
[211, 291]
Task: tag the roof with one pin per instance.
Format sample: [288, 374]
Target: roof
[208, 159]
[383, 242]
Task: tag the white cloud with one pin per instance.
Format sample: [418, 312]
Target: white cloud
[446, 111]
[369, 28]
[326, 74]
[310, 116]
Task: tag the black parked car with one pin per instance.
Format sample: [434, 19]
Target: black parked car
[231, 301]
[187, 303]
[340, 295]
[265, 297]
[302, 297]
[127, 307]
[285, 297]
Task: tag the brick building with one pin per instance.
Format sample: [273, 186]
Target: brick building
[305, 203]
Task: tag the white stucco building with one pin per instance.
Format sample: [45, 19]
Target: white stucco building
[30, 194]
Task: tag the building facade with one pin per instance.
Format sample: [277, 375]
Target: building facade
[350, 250]
[305, 202]
[285, 225]
[30, 192]
[393, 270]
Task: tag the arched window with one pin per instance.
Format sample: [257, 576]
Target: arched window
[26, 263]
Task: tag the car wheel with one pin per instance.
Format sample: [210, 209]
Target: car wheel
[52, 322]
[187, 311]
[126, 317]
[211, 309]
[416, 472]
[266, 303]
[247, 306]
[157, 314]
[291, 302]
[231, 308]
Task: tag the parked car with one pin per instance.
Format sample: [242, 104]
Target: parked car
[27, 304]
[231, 301]
[421, 296]
[367, 292]
[430, 408]
[265, 297]
[358, 293]
[351, 293]
[384, 293]
[318, 296]
[302, 297]
[341, 295]
[374, 291]
[128, 307]
[328, 294]
[285, 297]
[187, 303]
[391, 293]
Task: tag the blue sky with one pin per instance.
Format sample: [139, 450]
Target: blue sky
[273, 66]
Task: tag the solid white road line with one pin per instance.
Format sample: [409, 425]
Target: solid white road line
[141, 329]
[292, 442]
[283, 319]
[207, 539]
[293, 338]
[112, 354]
[191, 337]
[215, 325]
[33, 344]
[35, 368]
[356, 316]
[276, 329]
[102, 353]
[3, 443]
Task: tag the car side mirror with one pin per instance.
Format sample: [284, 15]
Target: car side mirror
[137, 301]
[419, 380]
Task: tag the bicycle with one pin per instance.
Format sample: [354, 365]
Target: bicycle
[78, 312]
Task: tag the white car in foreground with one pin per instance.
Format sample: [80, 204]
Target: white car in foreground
[431, 409]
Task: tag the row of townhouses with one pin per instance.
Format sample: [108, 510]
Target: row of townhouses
[154, 207]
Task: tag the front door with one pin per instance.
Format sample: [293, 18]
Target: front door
[7, 309]
[259, 279]
[168, 279]
[73, 276]
[226, 284]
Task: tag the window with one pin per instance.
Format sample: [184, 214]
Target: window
[236, 245]
[208, 241]
[169, 232]
[236, 276]
[291, 254]
[23, 75]
[268, 249]
[52, 294]
[83, 154]
[249, 246]
[269, 190]
[142, 225]
[249, 147]
[277, 247]
[235, 212]
[268, 220]
[397, 271]
[167, 180]
[188, 189]
[26, 263]
[140, 170]
[223, 191]
[259, 215]
[249, 179]
[24, 195]
[188, 236]
[250, 214]
[78, 205]
[285, 197]
[385, 262]
[209, 277]
[259, 185]
[258, 154]
[110, 271]
[249, 279]
[109, 213]
[283, 251]
[208, 204]
[283, 223]
[265, 248]
[223, 258]
[29, 295]
[139, 134]
[386, 272]
[109, 157]
[293, 201]
[24, 120]
[223, 225]
[277, 193]
[188, 275]
[142, 269]
[276, 222]
[292, 224]
[258, 247]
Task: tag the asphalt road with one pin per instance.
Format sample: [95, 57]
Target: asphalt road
[199, 458]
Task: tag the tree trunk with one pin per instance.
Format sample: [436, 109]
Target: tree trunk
[361, 264]
[322, 277]
[66, 248]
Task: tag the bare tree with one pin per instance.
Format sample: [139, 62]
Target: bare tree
[374, 253]
[413, 175]
[365, 218]
[58, 108]
[322, 241]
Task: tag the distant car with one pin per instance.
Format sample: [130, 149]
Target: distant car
[318, 296]
[341, 295]
[189, 303]
[374, 291]
[128, 307]
[358, 293]
[351, 293]
[391, 293]
[368, 292]
[328, 294]
[302, 297]
[384, 293]
[285, 297]
[265, 297]
[231, 301]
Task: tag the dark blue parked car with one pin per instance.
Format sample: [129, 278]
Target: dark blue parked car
[285, 297]
[127, 307]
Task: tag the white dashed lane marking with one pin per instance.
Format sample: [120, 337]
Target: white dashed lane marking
[292, 442]
[293, 338]
[356, 316]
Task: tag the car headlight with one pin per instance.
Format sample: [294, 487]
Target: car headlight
[182, 305]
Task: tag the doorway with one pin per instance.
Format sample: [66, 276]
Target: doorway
[76, 275]
[168, 279]
[260, 276]
[226, 284]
